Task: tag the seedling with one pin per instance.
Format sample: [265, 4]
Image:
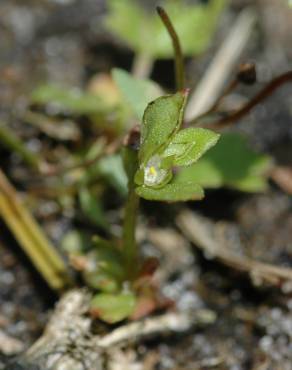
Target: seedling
[151, 159]
[161, 158]
[152, 156]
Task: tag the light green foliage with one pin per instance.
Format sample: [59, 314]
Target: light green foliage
[161, 120]
[104, 110]
[144, 32]
[105, 270]
[164, 145]
[189, 145]
[101, 281]
[111, 168]
[230, 163]
[73, 100]
[136, 92]
[203, 172]
[113, 308]
[172, 192]
[99, 261]
[92, 207]
[75, 242]
[101, 264]
[166, 167]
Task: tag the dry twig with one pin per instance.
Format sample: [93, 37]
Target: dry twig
[67, 343]
[31, 237]
[203, 233]
[226, 58]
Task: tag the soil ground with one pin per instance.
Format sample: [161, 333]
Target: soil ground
[63, 41]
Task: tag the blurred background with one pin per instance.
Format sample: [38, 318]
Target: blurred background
[59, 107]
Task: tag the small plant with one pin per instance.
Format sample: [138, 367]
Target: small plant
[153, 156]
[157, 157]
[151, 159]
[160, 160]
[164, 145]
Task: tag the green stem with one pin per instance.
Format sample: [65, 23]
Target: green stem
[130, 249]
[129, 237]
[179, 60]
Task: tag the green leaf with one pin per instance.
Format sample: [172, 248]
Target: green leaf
[144, 32]
[251, 184]
[230, 163]
[109, 167]
[139, 177]
[173, 192]
[176, 150]
[190, 144]
[113, 308]
[136, 92]
[76, 242]
[105, 270]
[161, 120]
[110, 260]
[112, 168]
[92, 208]
[72, 100]
[204, 172]
[102, 281]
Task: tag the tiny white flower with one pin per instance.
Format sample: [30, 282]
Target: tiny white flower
[153, 174]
